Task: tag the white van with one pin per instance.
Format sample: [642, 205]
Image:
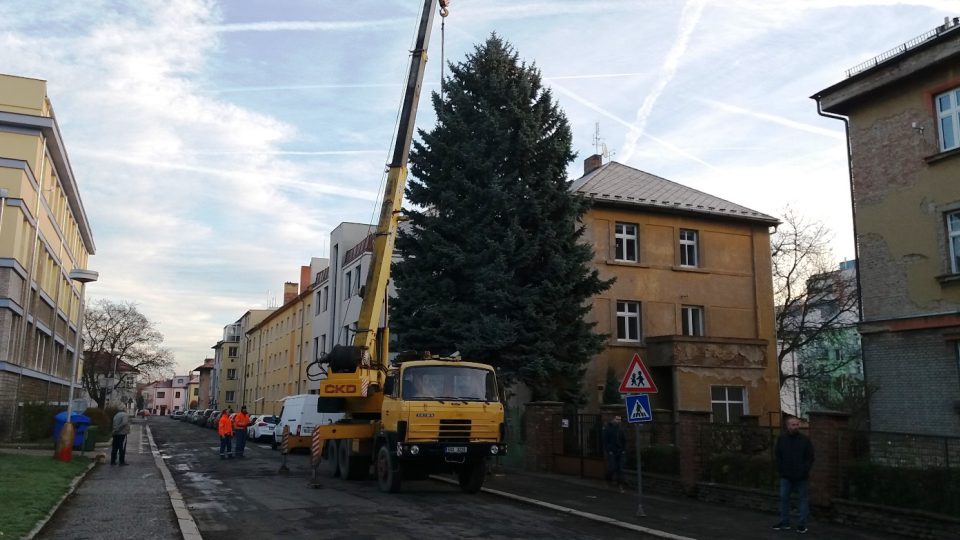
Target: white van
[299, 413]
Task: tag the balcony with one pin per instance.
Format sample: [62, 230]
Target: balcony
[706, 352]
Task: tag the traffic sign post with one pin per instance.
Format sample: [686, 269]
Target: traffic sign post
[638, 385]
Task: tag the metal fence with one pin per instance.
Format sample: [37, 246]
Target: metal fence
[582, 437]
[739, 454]
[901, 469]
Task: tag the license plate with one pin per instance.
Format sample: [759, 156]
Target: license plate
[456, 449]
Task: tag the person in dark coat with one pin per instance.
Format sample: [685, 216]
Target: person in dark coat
[614, 445]
[794, 460]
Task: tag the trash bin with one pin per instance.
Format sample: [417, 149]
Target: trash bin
[80, 425]
[90, 439]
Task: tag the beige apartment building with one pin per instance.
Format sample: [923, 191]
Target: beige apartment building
[693, 293]
[44, 235]
[279, 351]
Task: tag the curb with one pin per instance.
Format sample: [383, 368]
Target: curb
[579, 513]
[73, 487]
[188, 527]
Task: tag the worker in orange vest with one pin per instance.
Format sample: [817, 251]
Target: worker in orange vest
[225, 429]
[240, 422]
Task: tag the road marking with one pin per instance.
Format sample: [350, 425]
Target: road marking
[573, 512]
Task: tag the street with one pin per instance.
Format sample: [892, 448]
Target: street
[247, 498]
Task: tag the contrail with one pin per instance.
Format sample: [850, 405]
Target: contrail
[688, 21]
[310, 26]
[772, 118]
[594, 107]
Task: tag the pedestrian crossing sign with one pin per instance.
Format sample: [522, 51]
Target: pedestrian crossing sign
[638, 409]
[637, 379]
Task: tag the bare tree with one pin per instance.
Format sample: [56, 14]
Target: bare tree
[117, 335]
[815, 300]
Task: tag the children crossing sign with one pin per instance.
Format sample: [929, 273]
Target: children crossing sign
[637, 379]
[638, 408]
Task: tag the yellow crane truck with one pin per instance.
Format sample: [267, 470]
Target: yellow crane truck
[415, 416]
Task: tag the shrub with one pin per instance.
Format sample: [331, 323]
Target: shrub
[742, 470]
[38, 420]
[661, 459]
[934, 489]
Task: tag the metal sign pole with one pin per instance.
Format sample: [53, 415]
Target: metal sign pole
[640, 512]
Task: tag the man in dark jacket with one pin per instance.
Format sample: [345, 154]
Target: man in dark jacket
[794, 460]
[614, 444]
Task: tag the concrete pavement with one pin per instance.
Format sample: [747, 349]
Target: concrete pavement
[118, 502]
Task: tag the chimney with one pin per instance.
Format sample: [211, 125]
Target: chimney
[592, 163]
[305, 280]
[290, 291]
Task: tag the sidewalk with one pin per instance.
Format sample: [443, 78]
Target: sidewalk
[118, 502]
[678, 516]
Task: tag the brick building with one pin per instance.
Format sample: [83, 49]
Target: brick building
[902, 113]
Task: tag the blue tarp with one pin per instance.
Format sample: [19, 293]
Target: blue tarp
[80, 424]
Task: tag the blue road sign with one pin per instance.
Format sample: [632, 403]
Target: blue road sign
[638, 408]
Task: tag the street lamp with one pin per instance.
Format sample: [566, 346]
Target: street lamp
[65, 444]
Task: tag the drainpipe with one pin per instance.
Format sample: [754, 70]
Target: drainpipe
[853, 204]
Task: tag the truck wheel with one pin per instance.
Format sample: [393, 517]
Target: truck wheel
[333, 458]
[472, 475]
[350, 465]
[388, 473]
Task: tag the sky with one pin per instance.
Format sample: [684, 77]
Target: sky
[217, 143]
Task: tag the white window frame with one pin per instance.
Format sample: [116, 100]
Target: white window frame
[348, 280]
[950, 114]
[629, 312]
[231, 374]
[625, 234]
[230, 396]
[952, 235]
[726, 402]
[689, 244]
[691, 324]
[326, 296]
[356, 289]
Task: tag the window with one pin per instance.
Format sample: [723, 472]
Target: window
[356, 289]
[626, 240]
[688, 248]
[628, 321]
[953, 230]
[323, 343]
[346, 334]
[692, 320]
[196, 391]
[232, 351]
[347, 280]
[161, 395]
[230, 396]
[231, 373]
[319, 300]
[727, 403]
[176, 395]
[948, 119]
[326, 294]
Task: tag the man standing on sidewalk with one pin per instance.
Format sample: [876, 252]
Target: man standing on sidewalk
[614, 444]
[225, 429]
[121, 428]
[794, 460]
[240, 422]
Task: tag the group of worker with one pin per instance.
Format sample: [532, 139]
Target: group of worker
[232, 426]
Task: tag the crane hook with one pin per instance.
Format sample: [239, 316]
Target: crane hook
[444, 4]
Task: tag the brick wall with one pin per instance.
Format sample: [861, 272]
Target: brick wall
[917, 382]
[688, 439]
[543, 436]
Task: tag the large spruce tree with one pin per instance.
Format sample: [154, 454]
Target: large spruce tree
[491, 264]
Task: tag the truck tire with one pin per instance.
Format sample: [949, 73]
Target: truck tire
[472, 474]
[388, 471]
[351, 466]
[333, 458]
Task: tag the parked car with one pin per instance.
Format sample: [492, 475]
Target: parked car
[261, 427]
[201, 418]
[213, 419]
[177, 415]
[143, 413]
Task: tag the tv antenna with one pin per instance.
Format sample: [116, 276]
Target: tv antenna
[599, 146]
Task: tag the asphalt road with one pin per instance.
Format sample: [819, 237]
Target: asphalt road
[247, 498]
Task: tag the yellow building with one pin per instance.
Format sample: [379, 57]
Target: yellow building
[230, 360]
[42, 238]
[693, 293]
[193, 393]
[278, 353]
